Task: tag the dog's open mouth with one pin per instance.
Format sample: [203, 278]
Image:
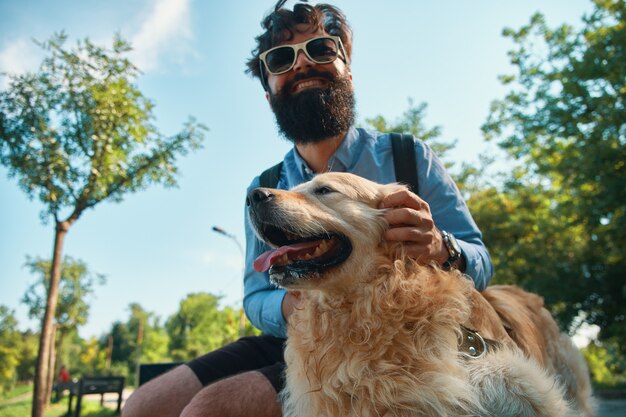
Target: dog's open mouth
[301, 256]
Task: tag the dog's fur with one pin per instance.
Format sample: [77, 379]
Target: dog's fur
[378, 334]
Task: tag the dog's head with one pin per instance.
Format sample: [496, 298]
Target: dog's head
[328, 229]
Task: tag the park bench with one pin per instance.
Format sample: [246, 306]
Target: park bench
[95, 385]
[148, 371]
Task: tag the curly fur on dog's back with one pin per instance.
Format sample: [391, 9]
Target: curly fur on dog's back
[388, 346]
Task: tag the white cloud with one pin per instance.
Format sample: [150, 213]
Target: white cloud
[165, 31]
[18, 56]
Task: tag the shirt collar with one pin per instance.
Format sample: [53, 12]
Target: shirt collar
[340, 161]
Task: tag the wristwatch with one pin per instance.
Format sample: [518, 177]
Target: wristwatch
[453, 249]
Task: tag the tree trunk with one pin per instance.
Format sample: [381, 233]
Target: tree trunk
[46, 337]
[51, 364]
[107, 364]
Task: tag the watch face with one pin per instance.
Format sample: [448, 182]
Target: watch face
[455, 245]
[452, 245]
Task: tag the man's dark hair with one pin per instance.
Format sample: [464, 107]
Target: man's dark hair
[280, 25]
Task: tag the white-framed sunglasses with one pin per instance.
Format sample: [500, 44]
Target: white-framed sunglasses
[321, 50]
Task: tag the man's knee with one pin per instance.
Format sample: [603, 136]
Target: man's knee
[166, 395]
[248, 393]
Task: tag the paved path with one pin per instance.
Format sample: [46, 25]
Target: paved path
[612, 407]
[110, 398]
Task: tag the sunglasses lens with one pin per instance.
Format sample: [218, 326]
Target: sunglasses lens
[322, 50]
[280, 59]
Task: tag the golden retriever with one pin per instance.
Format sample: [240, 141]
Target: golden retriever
[376, 334]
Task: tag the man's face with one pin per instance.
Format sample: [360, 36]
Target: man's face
[336, 68]
[312, 101]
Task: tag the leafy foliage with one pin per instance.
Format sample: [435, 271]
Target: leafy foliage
[28, 356]
[608, 367]
[79, 131]
[199, 326]
[10, 348]
[412, 121]
[564, 120]
[77, 285]
[140, 339]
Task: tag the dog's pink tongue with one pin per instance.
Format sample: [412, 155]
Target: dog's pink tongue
[265, 260]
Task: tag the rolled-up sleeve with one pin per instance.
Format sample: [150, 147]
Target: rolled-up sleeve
[450, 213]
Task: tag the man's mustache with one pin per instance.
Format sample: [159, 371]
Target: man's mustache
[311, 73]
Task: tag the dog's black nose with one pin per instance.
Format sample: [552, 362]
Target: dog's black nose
[259, 195]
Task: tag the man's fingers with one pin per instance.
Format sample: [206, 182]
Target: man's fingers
[409, 218]
[405, 216]
[403, 198]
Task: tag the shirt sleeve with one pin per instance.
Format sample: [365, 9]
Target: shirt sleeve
[450, 213]
[262, 300]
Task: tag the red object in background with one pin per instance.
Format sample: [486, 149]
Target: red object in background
[64, 375]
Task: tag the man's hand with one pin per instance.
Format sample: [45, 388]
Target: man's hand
[411, 222]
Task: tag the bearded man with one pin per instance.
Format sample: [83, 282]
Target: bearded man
[302, 60]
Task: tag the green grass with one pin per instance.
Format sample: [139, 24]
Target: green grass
[16, 392]
[22, 408]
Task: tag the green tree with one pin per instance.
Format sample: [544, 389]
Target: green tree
[75, 133]
[412, 121]
[28, 356]
[608, 368]
[531, 246]
[200, 326]
[92, 358]
[10, 348]
[564, 121]
[76, 285]
[140, 339]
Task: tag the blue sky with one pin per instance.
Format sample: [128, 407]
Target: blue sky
[157, 246]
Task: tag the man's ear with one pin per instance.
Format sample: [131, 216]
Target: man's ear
[267, 97]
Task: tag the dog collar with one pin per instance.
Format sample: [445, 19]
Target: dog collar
[472, 345]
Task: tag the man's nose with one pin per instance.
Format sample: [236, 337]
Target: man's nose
[302, 61]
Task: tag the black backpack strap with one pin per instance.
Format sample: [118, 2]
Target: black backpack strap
[270, 177]
[404, 162]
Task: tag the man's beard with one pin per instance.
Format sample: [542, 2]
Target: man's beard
[316, 114]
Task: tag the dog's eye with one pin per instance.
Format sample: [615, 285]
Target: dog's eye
[324, 190]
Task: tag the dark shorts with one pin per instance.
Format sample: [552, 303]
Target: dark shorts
[252, 353]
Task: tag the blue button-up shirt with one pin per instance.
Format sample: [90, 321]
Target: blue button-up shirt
[369, 155]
